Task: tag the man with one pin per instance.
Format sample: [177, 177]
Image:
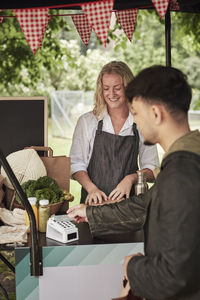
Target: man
[160, 98]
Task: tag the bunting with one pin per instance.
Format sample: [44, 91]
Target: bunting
[44, 29]
[1, 20]
[161, 7]
[127, 19]
[174, 5]
[98, 15]
[33, 23]
[83, 27]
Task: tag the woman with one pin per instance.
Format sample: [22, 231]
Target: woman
[106, 142]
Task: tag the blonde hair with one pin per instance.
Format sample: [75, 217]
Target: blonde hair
[113, 67]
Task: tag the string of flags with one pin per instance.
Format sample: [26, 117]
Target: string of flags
[96, 16]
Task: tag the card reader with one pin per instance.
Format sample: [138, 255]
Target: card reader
[61, 229]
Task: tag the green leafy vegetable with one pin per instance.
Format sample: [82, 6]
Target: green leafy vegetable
[43, 188]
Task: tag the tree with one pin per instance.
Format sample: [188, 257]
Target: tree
[188, 30]
[148, 46]
[19, 66]
[64, 63]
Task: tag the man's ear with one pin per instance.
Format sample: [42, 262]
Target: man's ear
[157, 114]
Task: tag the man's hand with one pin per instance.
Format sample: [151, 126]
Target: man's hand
[78, 212]
[95, 196]
[126, 261]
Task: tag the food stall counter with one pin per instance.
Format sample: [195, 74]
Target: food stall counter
[88, 268]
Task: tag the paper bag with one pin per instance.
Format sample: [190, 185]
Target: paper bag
[58, 168]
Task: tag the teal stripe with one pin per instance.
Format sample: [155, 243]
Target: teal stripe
[47, 250]
[98, 254]
[20, 253]
[137, 247]
[23, 269]
[34, 295]
[76, 256]
[87, 255]
[52, 256]
[111, 253]
[117, 254]
[28, 288]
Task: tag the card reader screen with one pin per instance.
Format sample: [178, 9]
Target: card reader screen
[71, 236]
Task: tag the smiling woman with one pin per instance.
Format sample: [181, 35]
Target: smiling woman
[106, 143]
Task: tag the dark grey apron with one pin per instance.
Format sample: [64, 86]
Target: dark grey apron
[113, 157]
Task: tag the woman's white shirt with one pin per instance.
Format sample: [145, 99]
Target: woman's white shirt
[83, 141]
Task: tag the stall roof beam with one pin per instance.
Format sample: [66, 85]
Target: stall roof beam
[185, 5]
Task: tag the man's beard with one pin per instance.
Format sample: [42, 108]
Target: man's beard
[148, 143]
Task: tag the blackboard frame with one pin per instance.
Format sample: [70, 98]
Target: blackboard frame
[30, 114]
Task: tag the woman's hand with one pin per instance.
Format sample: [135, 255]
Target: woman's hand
[123, 188]
[95, 196]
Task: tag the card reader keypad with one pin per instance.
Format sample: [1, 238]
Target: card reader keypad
[65, 224]
[60, 228]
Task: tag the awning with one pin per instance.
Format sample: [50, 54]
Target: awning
[185, 5]
[33, 16]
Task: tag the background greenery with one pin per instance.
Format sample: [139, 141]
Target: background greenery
[64, 62]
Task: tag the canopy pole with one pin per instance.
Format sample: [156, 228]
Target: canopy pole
[168, 37]
[36, 265]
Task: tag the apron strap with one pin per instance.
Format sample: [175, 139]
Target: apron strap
[100, 126]
[135, 131]
[137, 140]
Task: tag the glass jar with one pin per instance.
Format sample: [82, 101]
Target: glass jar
[32, 201]
[141, 187]
[44, 214]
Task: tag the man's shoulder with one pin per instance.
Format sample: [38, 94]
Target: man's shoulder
[180, 162]
[181, 155]
[180, 172]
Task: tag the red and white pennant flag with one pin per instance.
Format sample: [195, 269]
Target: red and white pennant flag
[161, 7]
[99, 15]
[44, 29]
[33, 22]
[83, 27]
[127, 19]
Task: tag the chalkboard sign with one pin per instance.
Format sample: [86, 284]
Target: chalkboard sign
[23, 123]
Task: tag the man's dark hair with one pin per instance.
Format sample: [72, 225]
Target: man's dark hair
[164, 85]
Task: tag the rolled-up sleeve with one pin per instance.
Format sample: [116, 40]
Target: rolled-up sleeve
[148, 156]
[82, 142]
[80, 147]
[127, 215]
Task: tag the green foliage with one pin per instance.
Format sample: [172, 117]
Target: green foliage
[148, 45]
[188, 30]
[43, 188]
[19, 66]
[64, 63]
